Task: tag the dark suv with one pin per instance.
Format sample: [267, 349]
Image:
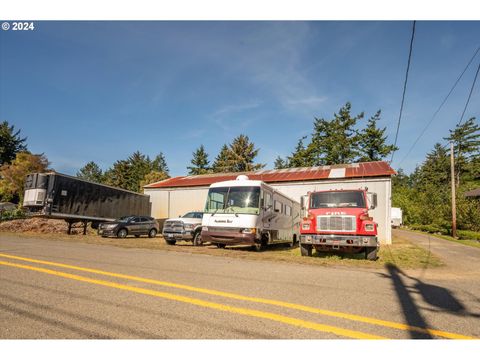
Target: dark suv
[130, 225]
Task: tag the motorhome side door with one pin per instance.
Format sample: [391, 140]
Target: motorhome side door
[267, 210]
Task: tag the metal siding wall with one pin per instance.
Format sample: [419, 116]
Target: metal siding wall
[159, 200]
[167, 203]
[185, 200]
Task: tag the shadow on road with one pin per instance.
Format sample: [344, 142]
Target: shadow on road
[439, 298]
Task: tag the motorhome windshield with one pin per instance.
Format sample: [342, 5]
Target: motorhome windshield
[238, 200]
[336, 199]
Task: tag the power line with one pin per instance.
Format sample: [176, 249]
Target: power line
[440, 107]
[404, 89]
[470, 94]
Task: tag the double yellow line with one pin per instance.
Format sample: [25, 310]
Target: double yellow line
[227, 308]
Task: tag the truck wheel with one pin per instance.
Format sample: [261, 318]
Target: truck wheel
[122, 233]
[170, 242]
[306, 250]
[221, 246]
[152, 233]
[197, 239]
[371, 253]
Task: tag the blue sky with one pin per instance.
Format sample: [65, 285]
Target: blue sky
[99, 91]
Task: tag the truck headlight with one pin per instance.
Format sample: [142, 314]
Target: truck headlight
[369, 227]
[249, 231]
[306, 226]
[189, 226]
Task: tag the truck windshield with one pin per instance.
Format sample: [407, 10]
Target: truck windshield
[239, 200]
[337, 199]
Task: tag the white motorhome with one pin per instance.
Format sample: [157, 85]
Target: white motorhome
[249, 212]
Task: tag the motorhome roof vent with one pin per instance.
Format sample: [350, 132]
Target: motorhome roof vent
[242, 177]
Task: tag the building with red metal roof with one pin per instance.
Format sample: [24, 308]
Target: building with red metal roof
[180, 194]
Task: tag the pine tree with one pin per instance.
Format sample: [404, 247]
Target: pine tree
[335, 141]
[200, 162]
[223, 161]
[435, 170]
[301, 157]
[10, 143]
[243, 153]
[280, 163]
[92, 172]
[372, 141]
[466, 148]
[159, 164]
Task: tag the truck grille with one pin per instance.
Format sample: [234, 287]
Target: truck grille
[336, 223]
[173, 226]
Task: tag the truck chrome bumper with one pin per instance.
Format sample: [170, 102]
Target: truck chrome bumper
[184, 235]
[339, 240]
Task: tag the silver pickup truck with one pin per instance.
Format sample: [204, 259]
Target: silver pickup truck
[187, 227]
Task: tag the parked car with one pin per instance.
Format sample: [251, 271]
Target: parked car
[187, 227]
[130, 225]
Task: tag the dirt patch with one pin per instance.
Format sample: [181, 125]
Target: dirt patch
[39, 226]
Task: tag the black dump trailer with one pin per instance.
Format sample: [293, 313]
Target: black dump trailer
[75, 200]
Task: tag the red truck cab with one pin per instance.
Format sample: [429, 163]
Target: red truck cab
[338, 220]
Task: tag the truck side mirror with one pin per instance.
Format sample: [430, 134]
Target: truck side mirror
[373, 205]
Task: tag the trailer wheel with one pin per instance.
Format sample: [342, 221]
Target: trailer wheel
[306, 250]
[122, 233]
[371, 253]
[197, 238]
[152, 233]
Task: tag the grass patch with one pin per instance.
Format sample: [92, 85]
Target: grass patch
[468, 242]
[401, 253]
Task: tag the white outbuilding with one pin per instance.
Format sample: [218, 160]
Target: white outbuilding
[178, 195]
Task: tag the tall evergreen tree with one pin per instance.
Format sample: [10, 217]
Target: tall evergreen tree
[466, 147]
[280, 163]
[301, 156]
[372, 141]
[243, 153]
[335, 141]
[159, 164]
[223, 161]
[11, 143]
[91, 171]
[435, 170]
[200, 162]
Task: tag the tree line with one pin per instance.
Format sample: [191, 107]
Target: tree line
[333, 141]
[425, 194]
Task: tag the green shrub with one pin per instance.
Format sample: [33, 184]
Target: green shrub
[468, 235]
[12, 214]
[433, 229]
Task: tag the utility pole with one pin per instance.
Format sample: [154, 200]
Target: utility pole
[454, 205]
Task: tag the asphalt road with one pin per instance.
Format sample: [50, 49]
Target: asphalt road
[59, 289]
